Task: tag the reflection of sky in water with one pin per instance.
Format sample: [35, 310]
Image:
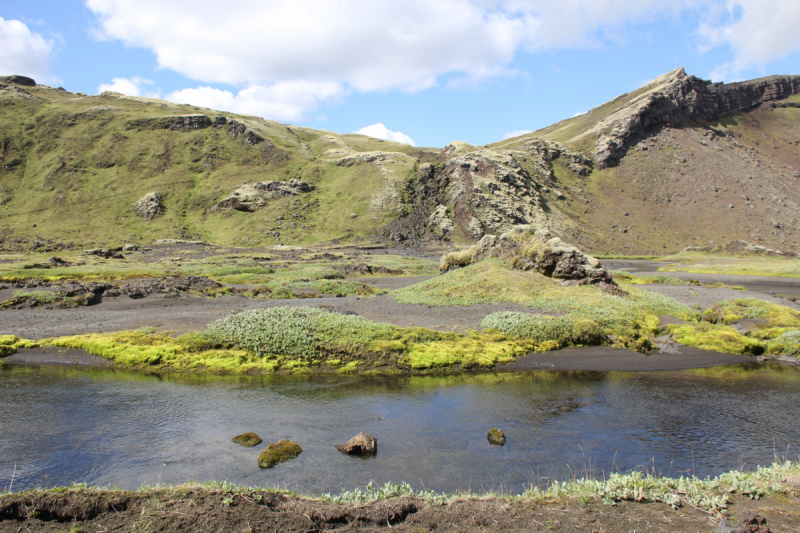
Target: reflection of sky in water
[106, 427]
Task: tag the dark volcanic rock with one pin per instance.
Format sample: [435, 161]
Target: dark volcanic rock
[18, 80]
[361, 444]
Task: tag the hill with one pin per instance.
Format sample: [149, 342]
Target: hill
[679, 162]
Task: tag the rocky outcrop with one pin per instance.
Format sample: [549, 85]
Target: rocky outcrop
[677, 97]
[149, 206]
[477, 190]
[174, 287]
[538, 250]
[361, 444]
[253, 196]
[18, 80]
[175, 123]
[105, 253]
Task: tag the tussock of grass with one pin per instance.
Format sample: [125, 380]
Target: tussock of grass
[331, 287]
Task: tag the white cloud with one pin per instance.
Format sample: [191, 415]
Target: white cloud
[406, 45]
[282, 101]
[130, 86]
[757, 31]
[379, 131]
[579, 113]
[23, 52]
[359, 45]
[515, 133]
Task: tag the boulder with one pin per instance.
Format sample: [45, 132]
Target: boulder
[149, 206]
[248, 440]
[278, 452]
[496, 437]
[361, 444]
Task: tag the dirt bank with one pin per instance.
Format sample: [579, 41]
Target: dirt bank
[199, 509]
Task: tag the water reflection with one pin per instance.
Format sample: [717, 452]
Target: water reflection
[60, 425]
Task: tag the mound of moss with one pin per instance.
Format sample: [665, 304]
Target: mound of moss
[248, 440]
[770, 328]
[587, 315]
[279, 452]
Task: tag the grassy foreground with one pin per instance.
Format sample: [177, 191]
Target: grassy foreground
[710, 494]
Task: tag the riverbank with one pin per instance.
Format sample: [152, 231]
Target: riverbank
[768, 497]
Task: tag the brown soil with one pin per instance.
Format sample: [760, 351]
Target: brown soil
[198, 509]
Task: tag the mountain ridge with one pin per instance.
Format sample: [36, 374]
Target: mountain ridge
[61, 153]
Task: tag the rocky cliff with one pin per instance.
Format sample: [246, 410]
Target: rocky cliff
[674, 99]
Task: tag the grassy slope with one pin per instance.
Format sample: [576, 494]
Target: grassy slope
[72, 165]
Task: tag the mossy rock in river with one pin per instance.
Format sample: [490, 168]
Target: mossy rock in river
[278, 452]
[248, 440]
[497, 437]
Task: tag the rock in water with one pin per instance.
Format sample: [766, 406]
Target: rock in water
[149, 206]
[248, 440]
[278, 452]
[361, 444]
[497, 437]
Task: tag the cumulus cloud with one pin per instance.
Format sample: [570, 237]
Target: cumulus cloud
[130, 86]
[379, 131]
[283, 101]
[406, 45]
[757, 31]
[515, 133]
[359, 45]
[22, 51]
[579, 113]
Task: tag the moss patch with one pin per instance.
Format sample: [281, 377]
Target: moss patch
[279, 452]
[248, 440]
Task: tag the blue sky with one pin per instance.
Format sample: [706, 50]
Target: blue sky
[421, 71]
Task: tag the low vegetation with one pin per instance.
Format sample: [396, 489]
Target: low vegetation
[701, 263]
[744, 325]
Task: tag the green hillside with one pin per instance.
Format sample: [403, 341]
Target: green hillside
[72, 165]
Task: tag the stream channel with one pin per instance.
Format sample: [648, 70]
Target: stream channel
[108, 427]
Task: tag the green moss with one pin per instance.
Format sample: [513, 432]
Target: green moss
[788, 343]
[718, 338]
[248, 440]
[731, 311]
[278, 452]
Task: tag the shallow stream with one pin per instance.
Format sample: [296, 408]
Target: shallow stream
[60, 425]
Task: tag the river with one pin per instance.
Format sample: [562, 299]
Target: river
[107, 427]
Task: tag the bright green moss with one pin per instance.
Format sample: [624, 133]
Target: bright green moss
[718, 338]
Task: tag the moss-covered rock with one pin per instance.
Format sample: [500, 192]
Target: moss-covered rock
[496, 437]
[279, 452]
[248, 440]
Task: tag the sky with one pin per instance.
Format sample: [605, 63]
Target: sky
[423, 72]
